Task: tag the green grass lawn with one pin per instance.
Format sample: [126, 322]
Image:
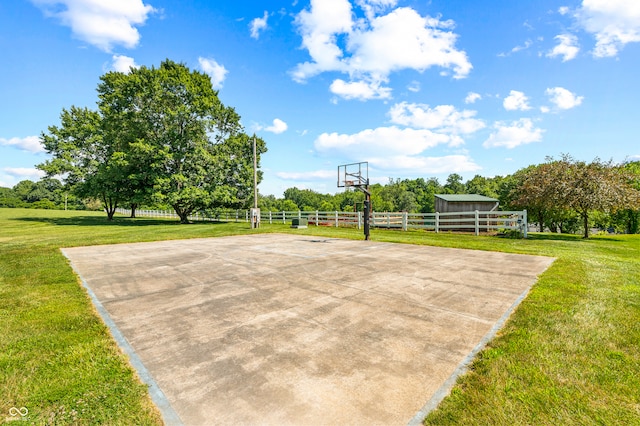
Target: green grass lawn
[569, 355]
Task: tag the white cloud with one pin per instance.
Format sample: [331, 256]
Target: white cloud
[319, 28]
[368, 49]
[563, 10]
[373, 7]
[360, 90]
[313, 175]
[24, 173]
[516, 101]
[29, 144]
[214, 70]
[381, 142]
[258, 24]
[567, 47]
[472, 97]
[103, 24]
[511, 135]
[425, 41]
[442, 118]
[414, 86]
[423, 165]
[121, 63]
[277, 127]
[527, 44]
[563, 98]
[395, 149]
[614, 23]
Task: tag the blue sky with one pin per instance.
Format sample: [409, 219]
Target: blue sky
[417, 88]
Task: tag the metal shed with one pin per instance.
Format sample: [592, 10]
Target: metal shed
[454, 203]
[446, 203]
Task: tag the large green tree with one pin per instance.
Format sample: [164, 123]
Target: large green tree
[159, 135]
[632, 215]
[560, 186]
[454, 184]
[91, 164]
[186, 148]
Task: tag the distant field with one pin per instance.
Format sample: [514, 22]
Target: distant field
[569, 355]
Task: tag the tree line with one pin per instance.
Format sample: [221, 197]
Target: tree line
[47, 193]
[563, 195]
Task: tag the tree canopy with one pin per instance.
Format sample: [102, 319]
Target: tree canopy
[560, 187]
[159, 135]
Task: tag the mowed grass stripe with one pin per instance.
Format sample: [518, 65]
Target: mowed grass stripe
[569, 354]
[57, 358]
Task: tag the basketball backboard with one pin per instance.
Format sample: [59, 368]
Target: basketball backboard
[354, 174]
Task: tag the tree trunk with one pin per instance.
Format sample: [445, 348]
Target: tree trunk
[133, 210]
[183, 214]
[110, 206]
[585, 218]
[632, 221]
[541, 220]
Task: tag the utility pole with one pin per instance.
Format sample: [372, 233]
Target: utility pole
[255, 211]
[255, 174]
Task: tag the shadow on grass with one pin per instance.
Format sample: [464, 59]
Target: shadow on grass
[569, 237]
[102, 221]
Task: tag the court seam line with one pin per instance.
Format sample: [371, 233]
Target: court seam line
[169, 415]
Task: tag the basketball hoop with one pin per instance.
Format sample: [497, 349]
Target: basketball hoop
[356, 175]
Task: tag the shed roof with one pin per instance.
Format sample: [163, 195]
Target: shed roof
[468, 198]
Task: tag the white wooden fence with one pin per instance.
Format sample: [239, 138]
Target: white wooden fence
[476, 221]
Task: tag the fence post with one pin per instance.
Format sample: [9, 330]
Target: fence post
[525, 223]
[477, 223]
[437, 222]
[336, 218]
[317, 217]
[405, 217]
[359, 220]
[284, 217]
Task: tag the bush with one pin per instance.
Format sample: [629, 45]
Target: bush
[42, 204]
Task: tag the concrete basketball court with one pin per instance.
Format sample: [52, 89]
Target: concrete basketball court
[294, 329]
